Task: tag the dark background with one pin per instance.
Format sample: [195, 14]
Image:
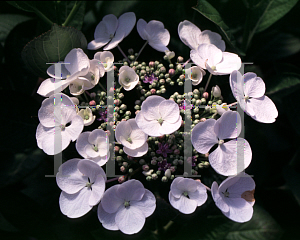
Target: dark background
[29, 202]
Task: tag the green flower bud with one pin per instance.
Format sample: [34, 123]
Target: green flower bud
[164, 179]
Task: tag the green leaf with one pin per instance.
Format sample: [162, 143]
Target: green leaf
[208, 11]
[50, 47]
[284, 84]
[8, 22]
[274, 10]
[55, 11]
[262, 15]
[261, 227]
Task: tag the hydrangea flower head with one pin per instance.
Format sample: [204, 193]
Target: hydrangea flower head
[125, 207]
[155, 33]
[82, 182]
[235, 197]
[192, 36]
[158, 116]
[70, 123]
[208, 56]
[112, 31]
[187, 194]
[106, 58]
[132, 138]
[94, 146]
[128, 78]
[229, 158]
[249, 91]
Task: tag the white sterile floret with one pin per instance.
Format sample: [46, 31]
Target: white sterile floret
[94, 145]
[106, 58]
[222, 108]
[155, 33]
[249, 91]
[112, 30]
[192, 36]
[57, 122]
[126, 206]
[77, 64]
[82, 182]
[170, 54]
[195, 74]
[229, 158]
[128, 78]
[187, 194]
[208, 56]
[132, 138]
[158, 116]
[235, 197]
[87, 116]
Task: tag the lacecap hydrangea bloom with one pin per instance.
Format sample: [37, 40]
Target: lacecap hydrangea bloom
[249, 91]
[112, 31]
[229, 158]
[82, 182]
[235, 197]
[125, 207]
[69, 123]
[128, 78]
[158, 116]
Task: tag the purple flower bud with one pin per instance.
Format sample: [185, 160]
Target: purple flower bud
[205, 95]
[171, 72]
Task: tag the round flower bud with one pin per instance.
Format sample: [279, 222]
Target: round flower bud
[121, 95]
[180, 162]
[198, 102]
[151, 64]
[122, 169]
[119, 158]
[171, 72]
[92, 103]
[154, 176]
[128, 113]
[202, 119]
[180, 59]
[209, 102]
[153, 162]
[164, 179]
[125, 164]
[179, 67]
[117, 148]
[176, 151]
[219, 102]
[123, 107]
[142, 161]
[149, 178]
[196, 110]
[185, 174]
[172, 83]
[130, 170]
[203, 100]
[158, 172]
[163, 69]
[145, 167]
[173, 169]
[121, 151]
[175, 162]
[205, 95]
[216, 91]
[130, 51]
[153, 91]
[168, 173]
[121, 179]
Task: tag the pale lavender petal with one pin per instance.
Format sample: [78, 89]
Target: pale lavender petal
[169, 111]
[69, 179]
[149, 127]
[210, 37]
[254, 86]
[220, 203]
[91, 169]
[239, 210]
[228, 125]
[147, 204]
[137, 152]
[75, 205]
[236, 81]
[264, 109]
[141, 27]
[130, 220]
[98, 189]
[183, 204]
[203, 136]
[81, 143]
[110, 201]
[168, 128]
[107, 219]
[228, 64]
[189, 34]
[150, 107]
[131, 190]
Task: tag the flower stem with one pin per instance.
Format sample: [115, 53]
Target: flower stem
[186, 63]
[72, 13]
[124, 55]
[111, 180]
[207, 82]
[102, 87]
[232, 104]
[141, 50]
